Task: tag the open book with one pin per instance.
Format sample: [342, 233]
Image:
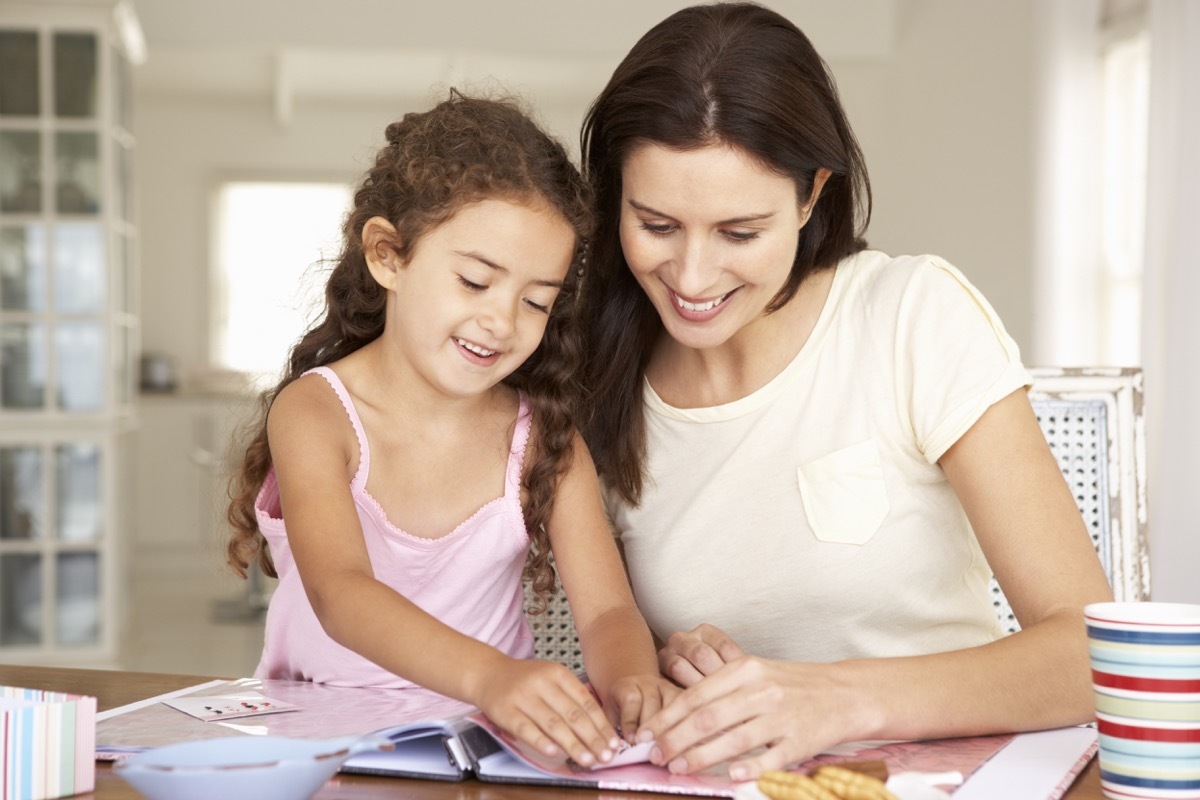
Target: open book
[438, 738]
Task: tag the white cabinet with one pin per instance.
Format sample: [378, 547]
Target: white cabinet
[68, 328]
[183, 465]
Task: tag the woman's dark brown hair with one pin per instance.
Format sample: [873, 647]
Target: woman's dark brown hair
[733, 74]
[434, 163]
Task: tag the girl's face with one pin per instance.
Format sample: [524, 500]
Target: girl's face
[472, 303]
[710, 235]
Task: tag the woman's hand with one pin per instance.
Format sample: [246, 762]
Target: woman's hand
[688, 657]
[793, 710]
[546, 707]
[636, 698]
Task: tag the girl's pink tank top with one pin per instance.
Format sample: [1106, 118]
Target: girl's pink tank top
[470, 578]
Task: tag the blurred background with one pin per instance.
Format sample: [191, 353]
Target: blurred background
[172, 174]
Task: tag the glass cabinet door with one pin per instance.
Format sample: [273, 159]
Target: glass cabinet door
[20, 172]
[75, 72]
[77, 606]
[68, 327]
[22, 493]
[22, 365]
[21, 617]
[23, 268]
[77, 168]
[20, 74]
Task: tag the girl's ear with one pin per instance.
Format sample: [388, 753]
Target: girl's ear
[380, 244]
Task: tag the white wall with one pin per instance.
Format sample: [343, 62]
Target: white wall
[946, 112]
[186, 145]
[945, 123]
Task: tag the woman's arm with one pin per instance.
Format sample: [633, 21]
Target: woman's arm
[313, 451]
[618, 650]
[1034, 538]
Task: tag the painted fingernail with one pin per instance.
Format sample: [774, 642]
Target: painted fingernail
[738, 773]
[656, 755]
[587, 759]
[606, 754]
[678, 766]
[645, 735]
[614, 742]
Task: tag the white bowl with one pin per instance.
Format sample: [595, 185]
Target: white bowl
[242, 767]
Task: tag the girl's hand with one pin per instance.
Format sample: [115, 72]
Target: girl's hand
[688, 657]
[636, 698]
[546, 707]
[794, 710]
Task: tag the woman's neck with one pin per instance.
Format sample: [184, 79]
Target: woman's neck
[699, 378]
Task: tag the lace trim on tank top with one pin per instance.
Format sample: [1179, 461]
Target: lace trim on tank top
[359, 481]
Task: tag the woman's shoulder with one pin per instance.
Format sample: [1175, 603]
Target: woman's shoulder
[876, 266]
[878, 277]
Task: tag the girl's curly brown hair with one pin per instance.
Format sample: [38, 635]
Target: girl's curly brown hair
[436, 162]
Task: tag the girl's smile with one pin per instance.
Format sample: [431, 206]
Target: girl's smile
[477, 354]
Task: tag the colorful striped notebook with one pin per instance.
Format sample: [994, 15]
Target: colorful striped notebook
[47, 744]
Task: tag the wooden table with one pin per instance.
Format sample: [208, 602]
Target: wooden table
[113, 689]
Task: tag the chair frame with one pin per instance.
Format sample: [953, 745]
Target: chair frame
[1126, 553]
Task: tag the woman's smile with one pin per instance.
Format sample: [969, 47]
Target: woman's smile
[699, 310]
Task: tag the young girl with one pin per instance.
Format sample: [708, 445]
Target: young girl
[420, 445]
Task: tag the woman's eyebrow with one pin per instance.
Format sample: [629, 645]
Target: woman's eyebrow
[487, 262]
[645, 209]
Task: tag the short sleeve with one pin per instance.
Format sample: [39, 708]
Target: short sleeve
[955, 357]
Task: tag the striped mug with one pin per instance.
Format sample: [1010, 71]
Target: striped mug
[1146, 676]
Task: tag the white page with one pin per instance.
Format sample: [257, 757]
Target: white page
[149, 701]
[1032, 766]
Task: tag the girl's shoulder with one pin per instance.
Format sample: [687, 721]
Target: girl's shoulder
[310, 399]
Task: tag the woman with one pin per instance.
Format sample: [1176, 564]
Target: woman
[814, 454]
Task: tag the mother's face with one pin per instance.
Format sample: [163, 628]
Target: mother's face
[710, 235]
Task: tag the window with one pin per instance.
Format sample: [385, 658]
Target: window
[1126, 98]
[1090, 200]
[274, 245]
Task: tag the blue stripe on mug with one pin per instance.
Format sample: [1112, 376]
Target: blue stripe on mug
[1143, 637]
[1146, 783]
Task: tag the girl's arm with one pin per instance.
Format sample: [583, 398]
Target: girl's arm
[1034, 538]
[618, 651]
[314, 453]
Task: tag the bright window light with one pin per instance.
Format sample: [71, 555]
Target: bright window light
[275, 244]
[1126, 110]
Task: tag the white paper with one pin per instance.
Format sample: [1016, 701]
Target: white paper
[1032, 766]
[149, 701]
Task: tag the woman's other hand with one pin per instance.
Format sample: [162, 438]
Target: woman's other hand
[689, 656]
[545, 706]
[792, 710]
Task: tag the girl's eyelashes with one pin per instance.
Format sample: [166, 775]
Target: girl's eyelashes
[740, 236]
[479, 287]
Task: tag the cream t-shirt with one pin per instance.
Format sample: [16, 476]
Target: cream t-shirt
[810, 520]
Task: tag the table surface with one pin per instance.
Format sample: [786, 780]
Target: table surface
[112, 688]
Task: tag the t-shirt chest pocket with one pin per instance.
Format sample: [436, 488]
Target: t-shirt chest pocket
[844, 495]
